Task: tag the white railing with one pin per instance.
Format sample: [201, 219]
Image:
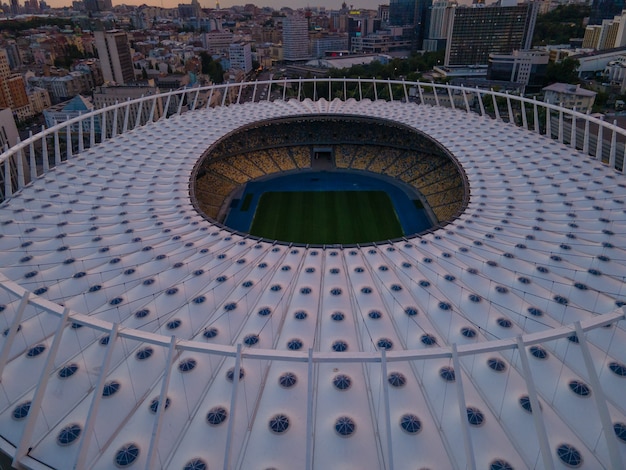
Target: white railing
[34, 156]
[25, 298]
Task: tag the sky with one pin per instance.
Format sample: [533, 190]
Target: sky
[277, 4]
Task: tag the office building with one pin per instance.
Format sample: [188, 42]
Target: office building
[440, 13]
[115, 57]
[608, 35]
[295, 38]
[474, 33]
[240, 55]
[217, 42]
[527, 68]
[13, 90]
[413, 13]
[604, 10]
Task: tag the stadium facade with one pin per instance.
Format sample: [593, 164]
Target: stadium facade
[496, 340]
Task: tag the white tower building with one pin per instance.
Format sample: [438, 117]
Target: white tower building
[295, 38]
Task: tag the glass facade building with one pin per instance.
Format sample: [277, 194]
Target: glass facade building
[477, 32]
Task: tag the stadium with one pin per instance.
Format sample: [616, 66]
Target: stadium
[489, 336]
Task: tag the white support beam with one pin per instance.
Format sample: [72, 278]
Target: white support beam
[451, 98]
[420, 92]
[269, 90]
[180, 103]
[467, 437]
[548, 124]
[360, 90]
[114, 123]
[44, 152]
[510, 108]
[536, 116]
[92, 131]
[573, 132]
[496, 110]
[238, 95]
[284, 88]
[153, 108]
[524, 117]
[615, 455]
[406, 94]
[540, 427]
[613, 145]
[435, 93]
[560, 136]
[103, 127]
[375, 89]
[167, 106]
[81, 144]
[599, 141]
[383, 366]
[90, 421]
[224, 95]
[24, 446]
[465, 100]
[126, 116]
[310, 426]
[15, 324]
[345, 90]
[158, 420]
[208, 102]
[586, 136]
[19, 161]
[57, 148]
[195, 98]
[390, 90]
[138, 114]
[233, 404]
[68, 142]
[254, 92]
[314, 88]
[8, 188]
[31, 158]
[480, 102]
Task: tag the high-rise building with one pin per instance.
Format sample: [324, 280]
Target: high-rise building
[240, 55]
[440, 13]
[474, 33]
[217, 42]
[295, 38]
[115, 58]
[98, 5]
[402, 12]
[611, 33]
[13, 90]
[414, 13]
[604, 10]
[15, 7]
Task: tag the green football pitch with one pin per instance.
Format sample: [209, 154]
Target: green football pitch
[326, 217]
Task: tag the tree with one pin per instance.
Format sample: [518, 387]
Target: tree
[561, 24]
[211, 67]
[565, 71]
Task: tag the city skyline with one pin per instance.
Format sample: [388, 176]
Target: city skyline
[276, 4]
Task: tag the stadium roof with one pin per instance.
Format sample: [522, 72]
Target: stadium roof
[461, 348]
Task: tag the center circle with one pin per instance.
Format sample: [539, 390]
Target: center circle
[328, 179]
